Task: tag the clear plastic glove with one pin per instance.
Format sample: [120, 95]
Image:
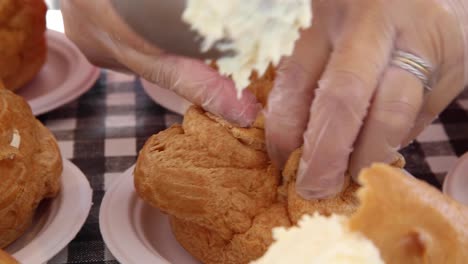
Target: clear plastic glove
[122, 34]
[340, 97]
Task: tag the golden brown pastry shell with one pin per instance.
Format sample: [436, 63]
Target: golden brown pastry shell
[220, 189]
[28, 174]
[23, 47]
[409, 220]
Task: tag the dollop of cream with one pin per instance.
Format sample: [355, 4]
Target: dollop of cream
[259, 32]
[15, 139]
[317, 240]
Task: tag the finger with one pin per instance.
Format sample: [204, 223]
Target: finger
[112, 43]
[199, 84]
[394, 109]
[448, 75]
[289, 101]
[83, 27]
[340, 105]
[447, 87]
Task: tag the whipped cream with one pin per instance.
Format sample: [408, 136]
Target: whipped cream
[260, 32]
[317, 240]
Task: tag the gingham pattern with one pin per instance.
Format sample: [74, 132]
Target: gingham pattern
[102, 131]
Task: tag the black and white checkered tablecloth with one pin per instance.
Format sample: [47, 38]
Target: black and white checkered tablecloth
[102, 131]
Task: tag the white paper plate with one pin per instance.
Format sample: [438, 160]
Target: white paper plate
[135, 232]
[456, 181]
[57, 221]
[165, 98]
[65, 76]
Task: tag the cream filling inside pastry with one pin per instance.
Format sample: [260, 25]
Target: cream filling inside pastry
[259, 32]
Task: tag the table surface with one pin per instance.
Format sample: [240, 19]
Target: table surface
[102, 131]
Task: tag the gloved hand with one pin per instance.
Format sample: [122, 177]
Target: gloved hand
[111, 35]
[341, 97]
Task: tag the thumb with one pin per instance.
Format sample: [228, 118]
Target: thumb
[198, 83]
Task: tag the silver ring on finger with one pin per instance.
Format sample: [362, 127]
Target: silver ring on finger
[415, 65]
